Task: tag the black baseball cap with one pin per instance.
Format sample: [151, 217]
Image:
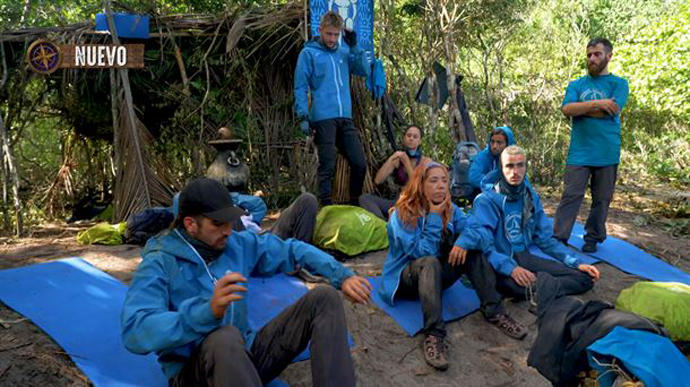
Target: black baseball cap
[208, 197]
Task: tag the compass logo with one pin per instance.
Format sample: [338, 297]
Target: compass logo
[43, 56]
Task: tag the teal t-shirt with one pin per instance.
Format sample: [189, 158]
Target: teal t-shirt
[596, 141]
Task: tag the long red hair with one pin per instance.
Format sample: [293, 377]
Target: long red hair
[413, 203]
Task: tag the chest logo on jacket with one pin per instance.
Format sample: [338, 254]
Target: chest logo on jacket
[513, 226]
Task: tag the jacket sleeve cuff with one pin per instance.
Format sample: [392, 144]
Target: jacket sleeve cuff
[572, 261]
[341, 276]
[502, 263]
[199, 315]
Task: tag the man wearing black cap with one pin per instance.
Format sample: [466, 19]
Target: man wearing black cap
[187, 301]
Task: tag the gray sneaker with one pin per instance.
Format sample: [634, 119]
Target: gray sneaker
[435, 350]
[510, 327]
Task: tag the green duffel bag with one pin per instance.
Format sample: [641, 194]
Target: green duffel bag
[667, 303]
[350, 230]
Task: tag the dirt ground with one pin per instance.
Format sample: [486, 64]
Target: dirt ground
[384, 355]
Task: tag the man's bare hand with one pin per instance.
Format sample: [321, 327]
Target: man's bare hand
[522, 276]
[457, 256]
[357, 289]
[591, 270]
[608, 106]
[225, 292]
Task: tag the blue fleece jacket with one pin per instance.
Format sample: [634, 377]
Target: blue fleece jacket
[491, 228]
[407, 244]
[485, 162]
[326, 74]
[167, 307]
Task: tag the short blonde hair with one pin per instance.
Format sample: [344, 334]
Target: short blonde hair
[512, 150]
[331, 19]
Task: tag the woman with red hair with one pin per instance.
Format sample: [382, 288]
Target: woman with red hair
[422, 260]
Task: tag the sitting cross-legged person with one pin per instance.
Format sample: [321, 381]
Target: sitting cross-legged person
[422, 260]
[187, 301]
[507, 217]
[399, 166]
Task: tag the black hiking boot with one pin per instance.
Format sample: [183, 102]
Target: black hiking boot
[589, 247]
[507, 325]
[435, 350]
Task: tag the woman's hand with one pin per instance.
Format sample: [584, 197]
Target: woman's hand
[438, 208]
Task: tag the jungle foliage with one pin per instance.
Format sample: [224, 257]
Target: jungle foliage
[515, 58]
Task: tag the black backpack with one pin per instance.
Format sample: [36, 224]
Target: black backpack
[464, 153]
[145, 224]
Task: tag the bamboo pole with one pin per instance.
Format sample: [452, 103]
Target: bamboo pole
[124, 76]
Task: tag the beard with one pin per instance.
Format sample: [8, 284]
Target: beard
[596, 70]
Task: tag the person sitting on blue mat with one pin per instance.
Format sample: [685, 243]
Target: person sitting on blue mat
[420, 262]
[507, 218]
[489, 159]
[187, 301]
[400, 165]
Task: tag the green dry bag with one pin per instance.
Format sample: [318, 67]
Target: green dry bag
[667, 303]
[103, 234]
[350, 230]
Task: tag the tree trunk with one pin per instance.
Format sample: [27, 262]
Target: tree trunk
[14, 175]
[3, 177]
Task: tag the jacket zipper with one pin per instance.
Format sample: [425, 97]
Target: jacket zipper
[336, 75]
[213, 279]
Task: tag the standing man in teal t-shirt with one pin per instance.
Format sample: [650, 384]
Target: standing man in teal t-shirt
[594, 102]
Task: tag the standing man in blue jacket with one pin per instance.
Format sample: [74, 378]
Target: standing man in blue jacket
[489, 159]
[187, 301]
[594, 103]
[507, 218]
[323, 69]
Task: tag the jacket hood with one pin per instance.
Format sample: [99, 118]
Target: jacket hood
[508, 132]
[170, 242]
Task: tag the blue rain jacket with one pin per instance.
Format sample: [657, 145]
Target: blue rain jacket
[485, 162]
[487, 229]
[326, 74]
[407, 244]
[167, 307]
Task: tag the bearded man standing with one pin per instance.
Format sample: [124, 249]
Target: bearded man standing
[594, 103]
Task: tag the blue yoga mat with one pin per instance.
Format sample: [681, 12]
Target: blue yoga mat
[583, 257]
[630, 258]
[458, 301]
[79, 307]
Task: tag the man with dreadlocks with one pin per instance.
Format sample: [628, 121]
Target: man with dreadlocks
[507, 218]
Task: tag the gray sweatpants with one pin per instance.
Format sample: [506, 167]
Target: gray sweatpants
[602, 182]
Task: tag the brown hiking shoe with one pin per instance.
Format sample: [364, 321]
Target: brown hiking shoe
[435, 350]
[510, 327]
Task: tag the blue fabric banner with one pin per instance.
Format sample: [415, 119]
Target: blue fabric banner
[357, 14]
